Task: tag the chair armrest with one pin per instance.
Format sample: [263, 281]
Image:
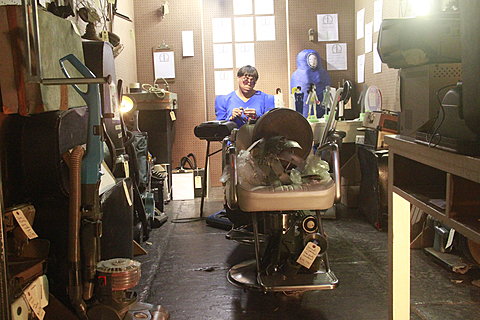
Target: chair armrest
[335, 154]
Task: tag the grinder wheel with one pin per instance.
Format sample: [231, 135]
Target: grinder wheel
[474, 250]
[288, 123]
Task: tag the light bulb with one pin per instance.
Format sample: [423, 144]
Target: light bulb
[126, 105]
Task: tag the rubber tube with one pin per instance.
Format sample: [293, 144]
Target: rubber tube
[74, 162]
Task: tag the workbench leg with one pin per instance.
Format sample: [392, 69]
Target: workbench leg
[399, 258]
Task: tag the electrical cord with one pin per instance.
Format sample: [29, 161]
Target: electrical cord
[441, 112]
[155, 89]
[187, 220]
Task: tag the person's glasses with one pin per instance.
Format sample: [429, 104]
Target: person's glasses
[248, 79]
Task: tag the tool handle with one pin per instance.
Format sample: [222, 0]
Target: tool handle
[81, 68]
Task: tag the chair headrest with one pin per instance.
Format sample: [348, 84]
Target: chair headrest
[288, 123]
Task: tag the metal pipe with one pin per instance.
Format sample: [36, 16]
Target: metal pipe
[36, 75]
[4, 298]
[321, 230]
[257, 243]
[60, 81]
[204, 182]
[336, 171]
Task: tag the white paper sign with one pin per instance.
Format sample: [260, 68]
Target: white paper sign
[242, 7]
[182, 186]
[243, 29]
[187, 44]
[336, 56]
[360, 23]
[244, 54]
[222, 56]
[223, 82]
[368, 37]
[264, 7]
[221, 30]
[265, 28]
[164, 64]
[377, 62]
[377, 15]
[361, 68]
[327, 25]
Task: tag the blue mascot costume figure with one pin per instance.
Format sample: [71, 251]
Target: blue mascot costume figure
[309, 70]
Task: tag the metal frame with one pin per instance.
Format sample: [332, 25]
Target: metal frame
[4, 300]
[36, 75]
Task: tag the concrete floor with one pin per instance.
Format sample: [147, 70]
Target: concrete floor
[185, 271]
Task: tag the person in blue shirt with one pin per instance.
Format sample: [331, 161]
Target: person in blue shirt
[244, 103]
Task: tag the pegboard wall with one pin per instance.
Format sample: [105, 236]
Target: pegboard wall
[275, 60]
[270, 61]
[388, 80]
[151, 29]
[303, 16]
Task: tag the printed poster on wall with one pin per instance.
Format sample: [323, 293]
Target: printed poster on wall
[361, 68]
[164, 64]
[242, 7]
[221, 30]
[222, 56]
[377, 15]
[187, 44]
[368, 37]
[265, 28]
[336, 56]
[377, 62]
[264, 7]
[243, 29]
[244, 54]
[327, 26]
[223, 82]
[360, 23]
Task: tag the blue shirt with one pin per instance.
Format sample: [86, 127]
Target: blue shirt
[260, 101]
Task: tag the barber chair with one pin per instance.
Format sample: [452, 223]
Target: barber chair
[287, 219]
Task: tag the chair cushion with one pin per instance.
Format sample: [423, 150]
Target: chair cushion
[315, 195]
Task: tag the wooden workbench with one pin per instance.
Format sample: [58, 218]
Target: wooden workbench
[444, 185]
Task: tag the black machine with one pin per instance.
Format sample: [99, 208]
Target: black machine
[455, 126]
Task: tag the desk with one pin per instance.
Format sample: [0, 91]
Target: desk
[444, 185]
[348, 126]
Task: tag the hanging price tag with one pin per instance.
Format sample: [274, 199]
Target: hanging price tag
[105, 35]
[198, 182]
[126, 168]
[24, 224]
[33, 298]
[172, 116]
[309, 254]
[127, 193]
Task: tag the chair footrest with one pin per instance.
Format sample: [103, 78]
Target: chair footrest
[245, 275]
[244, 236]
[299, 282]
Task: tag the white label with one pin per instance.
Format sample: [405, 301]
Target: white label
[118, 127]
[24, 224]
[127, 193]
[126, 168]
[450, 238]
[34, 298]
[198, 182]
[104, 35]
[309, 254]
[172, 116]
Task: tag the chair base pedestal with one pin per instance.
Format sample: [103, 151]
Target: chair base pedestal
[245, 275]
